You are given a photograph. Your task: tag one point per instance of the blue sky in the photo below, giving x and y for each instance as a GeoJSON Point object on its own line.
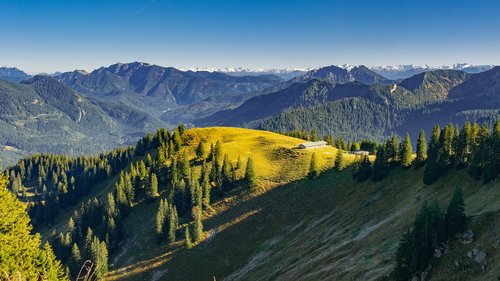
{"type": "Point", "coordinates": [47, 36]}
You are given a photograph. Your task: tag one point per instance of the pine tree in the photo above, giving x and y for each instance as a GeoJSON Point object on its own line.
{"type": "Point", "coordinates": [313, 167]}
{"type": "Point", "coordinates": [198, 225]}
{"type": "Point", "coordinates": [88, 243]}
{"type": "Point", "coordinates": [362, 170]}
{"type": "Point", "coordinates": [177, 142]}
{"type": "Point", "coordinates": [406, 152]}
{"type": "Point", "coordinates": [380, 167]}
{"type": "Point", "coordinates": [205, 185]}
{"type": "Point", "coordinates": [21, 255]}
{"type": "Point", "coordinates": [432, 168]}
{"type": "Point", "coordinates": [200, 150]}
{"type": "Point", "coordinates": [75, 261]}
{"type": "Point", "coordinates": [187, 238]}
{"type": "Point", "coordinates": [463, 146]}
{"type": "Point", "coordinates": [99, 256]}
{"type": "Point", "coordinates": [421, 150]}
{"type": "Point", "coordinates": [250, 176]}
{"type": "Point", "coordinates": [392, 149]}
{"type": "Point", "coordinates": [456, 221]}
{"type": "Point", "coordinates": [152, 191]}
{"type": "Point", "coordinates": [226, 174]}
{"type": "Point", "coordinates": [339, 161]}
{"type": "Point", "coordinates": [313, 135]}
{"type": "Point", "coordinates": [160, 220]}
{"type": "Point", "coordinates": [173, 222]}
{"type": "Point", "coordinates": [492, 167]}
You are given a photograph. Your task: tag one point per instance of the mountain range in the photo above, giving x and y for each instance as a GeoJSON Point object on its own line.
{"type": "Point", "coordinates": [328, 102]}
{"type": "Point", "coordinates": [60, 112]}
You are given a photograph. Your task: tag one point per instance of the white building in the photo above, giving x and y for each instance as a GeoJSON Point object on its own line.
{"type": "Point", "coordinates": [313, 144]}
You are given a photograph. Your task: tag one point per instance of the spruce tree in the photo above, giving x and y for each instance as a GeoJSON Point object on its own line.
{"type": "Point", "coordinates": [22, 258]}
{"type": "Point", "coordinates": [380, 167]}
{"type": "Point", "coordinates": [200, 150]}
{"type": "Point", "coordinates": [99, 256]}
{"type": "Point", "coordinates": [456, 221]}
{"type": "Point", "coordinates": [313, 168]}
{"type": "Point", "coordinates": [363, 169]}
{"type": "Point", "coordinates": [421, 150]}
{"type": "Point", "coordinates": [75, 261]}
{"type": "Point", "coordinates": [187, 238]}
{"type": "Point", "coordinates": [339, 161]}
{"type": "Point", "coordinates": [205, 185]}
{"type": "Point", "coordinates": [198, 225]}
{"type": "Point", "coordinates": [173, 222]}
{"type": "Point", "coordinates": [226, 174]}
{"type": "Point", "coordinates": [250, 176]}
{"type": "Point", "coordinates": [160, 220]}
{"type": "Point", "coordinates": [406, 152]}
{"type": "Point", "coordinates": [463, 146]}
{"type": "Point", "coordinates": [432, 167]}
{"type": "Point", "coordinates": [152, 191]}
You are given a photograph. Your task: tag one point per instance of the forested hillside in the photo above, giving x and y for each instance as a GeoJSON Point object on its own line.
{"type": "Point", "coordinates": [43, 115]}
{"type": "Point", "coordinates": [169, 93]}
{"type": "Point", "coordinates": [356, 110]}
{"type": "Point", "coordinates": [247, 199]}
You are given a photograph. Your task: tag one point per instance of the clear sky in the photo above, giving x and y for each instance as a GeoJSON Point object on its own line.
{"type": "Point", "coordinates": [47, 36]}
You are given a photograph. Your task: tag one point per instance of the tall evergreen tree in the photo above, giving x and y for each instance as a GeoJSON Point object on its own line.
{"type": "Point", "coordinates": [152, 190]}
{"type": "Point", "coordinates": [187, 238]}
{"type": "Point", "coordinates": [380, 167]}
{"type": "Point", "coordinates": [173, 222]}
{"type": "Point", "coordinates": [339, 161]}
{"type": "Point", "coordinates": [406, 152]}
{"type": "Point", "coordinates": [250, 176]}
{"type": "Point", "coordinates": [200, 150]}
{"type": "Point", "coordinates": [198, 225]}
{"type": "Point", "coordinates": [421, 150]}
{"type": "Point", "coordinates": [21, 255]}
{"type": "Point", "coordinates": [99, 256]}
{"type": "Point", "coordinates": [160, 220]}
{"type": "Point", "coordinates": [75, 261]}
{"type": "Point", "coordinates": [456, 221]}
{"type": "Point", "coordinates": [432, 168]}
{"type": "Point", "coordinates": [313, 167]}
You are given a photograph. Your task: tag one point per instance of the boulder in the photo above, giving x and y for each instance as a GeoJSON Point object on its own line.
{"type": "Point", "coordinates": [480, 258]}
{"type": "Point", "coordinates": [467, 237]}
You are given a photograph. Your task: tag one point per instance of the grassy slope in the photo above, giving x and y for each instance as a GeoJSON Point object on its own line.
{"type": "Point", "coordinates": [329, 228]}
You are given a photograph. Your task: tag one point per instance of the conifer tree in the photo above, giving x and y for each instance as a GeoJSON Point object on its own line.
{"type": "Point", "coordinates": [392, 149]}
{"type": "Point", "coordinates": [238, 163]}
{"type": "Point", "coordinates": [21, 255]}
{"type": "Point", "coordinates": [200, 150]}
{"type": "Point", "coordinates": [250, 176]}
{"type": "Point", "coordinates": [205, 185]}
{"type": "Point", "coordinates": [226, 174]}
{"type": "Point", "coordinates": [339, 161]}
{"type": "Point", "coordinates": [492, 167]}
{"type": "Point", "coordinates": [152, 191]}
{"type": "Point", "coordinates": [432, 168]}
{"type": "Point", "coordinates": [187, 238]}
{"type": "Point", "coordinates": [173, 222]}
{"type": "Point", "coordinates": [161, 214]}
{"type": "Point", "coordinates": [99, 256]}
{"type": "Point", "coordinates": [75, 260]}
{"type": "Point", "coordinates": [363, 169]}
{"type": "Point", "coordinates": [313, 136]}
{"type": "Point", "coordinates": [88, 243]}
{"type": "Point", "coordinates": [198, 226]}
{"type": "Point", "coordinates": [380, 167]}
{"type": "Point", "coordinates": [463, 146]}
{"type": "Point", "coordinates": [421, 150]}
{"type": "Point", "coordinates": [456, 221]}
{"type": "Point", "coordinates": [177, 142]}
{"type": "Point", "coordinates": [406, 152]}
{"type": "Point", "coordinates": [313, 168]}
